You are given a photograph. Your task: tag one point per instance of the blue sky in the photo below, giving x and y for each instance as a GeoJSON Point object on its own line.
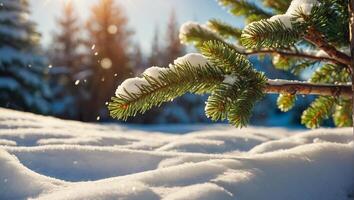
{"type": "Point", "coordinates": [143, 15]}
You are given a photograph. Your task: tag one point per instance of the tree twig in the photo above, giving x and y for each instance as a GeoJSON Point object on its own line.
{"type": "Point", "coordinates": [292, 54]}
{"type": "Point", "coordinates": [316, 38]}
{"type": "Point", "coordinates": [305, 88]}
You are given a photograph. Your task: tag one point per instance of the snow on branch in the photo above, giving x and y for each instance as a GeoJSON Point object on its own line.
{"type": "Point", "coordinates": [305, 6]}
{"type": "Point", "coordinates": [134, 85]}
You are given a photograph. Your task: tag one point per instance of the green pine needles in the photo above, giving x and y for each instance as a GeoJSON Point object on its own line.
{"type": "Point", "coordinates": [298, 35]}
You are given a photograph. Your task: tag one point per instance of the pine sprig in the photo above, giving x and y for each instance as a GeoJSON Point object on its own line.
{"type": "Point", "coordinates": [241, 108]}
{"type": "Point", "coordinates": [329, 21]}
{"type": "Point", "coordinates": [329, 73]}
{"type": "Point", "coordinates": [171, 84]}
{"type": "Point", "coordinates": [199, 34]}
{"type": "Point", "coordinates": [268, 34]}
{"type": "Point", "coordinates": [342, 117]}
{"type": "Point", "coordinates": [225, 30]}
{"type": "Point", "coordinates": [233, 101]}
{"type": "Point", "coordinates": [245, 8]}
{"type": "Point", "coordinates": [319, 110]}
{"type": "Point", "coordinates": [286, 102]}
{"type": "Point", "coordinates": [218, 102]}
{"type": "Point", "coordinates": [227, 58]}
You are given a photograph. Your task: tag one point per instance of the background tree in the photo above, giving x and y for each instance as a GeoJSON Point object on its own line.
{"type": "Point", "coordinates": [22, 70]}
{"type": "Point", "coordinates": [173, 47]}
{"type": "Point", "coordinates": [110, 35]}
{"type": "Point", "coordinates": [137, 59]}
{"type": "Point", "coordinates": [67, 62]}
{"type": "Point", "coordinates": [155, 54]}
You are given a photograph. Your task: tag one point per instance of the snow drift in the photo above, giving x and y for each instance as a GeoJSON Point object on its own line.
{"type": "Point", "coordinates": [47, 158]}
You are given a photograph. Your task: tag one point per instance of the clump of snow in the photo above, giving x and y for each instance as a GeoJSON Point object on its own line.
{"type": "Point", "coordinates": [46, 158]}
{"type": "Point", "coordinates": [305, 6]}
{"type": "Point", "coordinates": [285, 19]}
{"type": "Point", "coordinates": [230, 79]}
{"type": "Point", "coordinates": [195, 59]}
{"type": "Point", "coordinates": [132, 85]}
{"type": "Point", "coordinates": [187, 27]}
{"type": "Point", "coordinates": [155, 72]}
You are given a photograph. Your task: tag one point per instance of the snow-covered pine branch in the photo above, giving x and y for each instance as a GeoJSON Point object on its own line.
{"type": "Point", "coordinates": [229, 76]}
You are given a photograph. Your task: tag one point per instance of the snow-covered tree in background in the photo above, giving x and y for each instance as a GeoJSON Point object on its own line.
{"type": "Point", "coordinates": [110, 38]}
{"type": "Point", "coordinates": [310, 33]}
{"type": "Point", "coordinates": [67, 63]}
{"type": "Point", "coordinates": [155, 56]}
{"type": "Point", "coordinates": [22, 70]}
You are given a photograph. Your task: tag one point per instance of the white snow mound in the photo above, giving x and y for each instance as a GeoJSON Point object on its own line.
{"type": "Point", "coordinates": [46, 158]}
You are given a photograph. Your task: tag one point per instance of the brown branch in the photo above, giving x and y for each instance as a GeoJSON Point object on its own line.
{"type": "Point", "coordinates": [298, 87]}
{"type": "Point", "coordinates": [316, 38]}
{"type": "Point", "coordinates": [292, 54]}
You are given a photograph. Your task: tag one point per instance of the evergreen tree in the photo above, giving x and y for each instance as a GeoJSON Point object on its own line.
{"type": "Point", "coordinates": [67, 62]}
{"type": "Point", "coordinates": [311, 33]}
{"type": "Point", "coordinates": [138, 60]}
{"type": "Point", "coordinates": [109, 33]}
{"type": "Point", "coordinates": [22, 70]}
{"type": "Point", "coordinates": [155, 54]}
{"type": "Point", "coordinates": [173, 48]}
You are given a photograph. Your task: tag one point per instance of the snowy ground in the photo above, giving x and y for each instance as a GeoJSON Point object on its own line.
{"type": "Point", "coordinates": [46, 158]}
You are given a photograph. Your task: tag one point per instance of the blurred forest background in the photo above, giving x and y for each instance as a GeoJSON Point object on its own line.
{"type": "Point", "coordinates": [77, 74]}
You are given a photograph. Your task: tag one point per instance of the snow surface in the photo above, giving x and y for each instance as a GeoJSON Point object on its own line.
{"type": "Point", "coordinates": [46, 158]}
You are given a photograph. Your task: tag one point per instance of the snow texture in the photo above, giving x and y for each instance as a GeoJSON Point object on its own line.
{"type": "Point", "coordinates": [186, 28]}
{"type": "Point", "coordinates": [45, 158]}
{"type": "Point", "coordinates": [194, 59]}
{"type": "Point", "coordinates": [155, 72]}
{"type": "Point", "coordinates": [132, 85]}
{"type": "Point", "coordinates": [305, 6]}
{"type": "Point", "coordinates": [230, 79]}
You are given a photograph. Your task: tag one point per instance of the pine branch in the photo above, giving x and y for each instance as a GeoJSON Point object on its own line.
{"type": "Point", "coordinates": [171, 83]}
{"type": "Point", "coordinates": [224, 29]}
{"type": "Point", "coordinates": [319, 110]}
{"type": "Point", "coordinates": [330, 74]}
{"type": "Point", "coordinates": [245, 8]}
{"type": "Point", "coordinates": [196, 34]}
{"type": "Point", "coordinates": [305, 88]}
{"type": "Point", "coordinates": [316, 38]}
{"type": "Point", "coordinates": [268, 34]}
{"type": "Point", "coordinates": [342, 116]}
{"type": "Point", "coordinates": [286, 101]}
